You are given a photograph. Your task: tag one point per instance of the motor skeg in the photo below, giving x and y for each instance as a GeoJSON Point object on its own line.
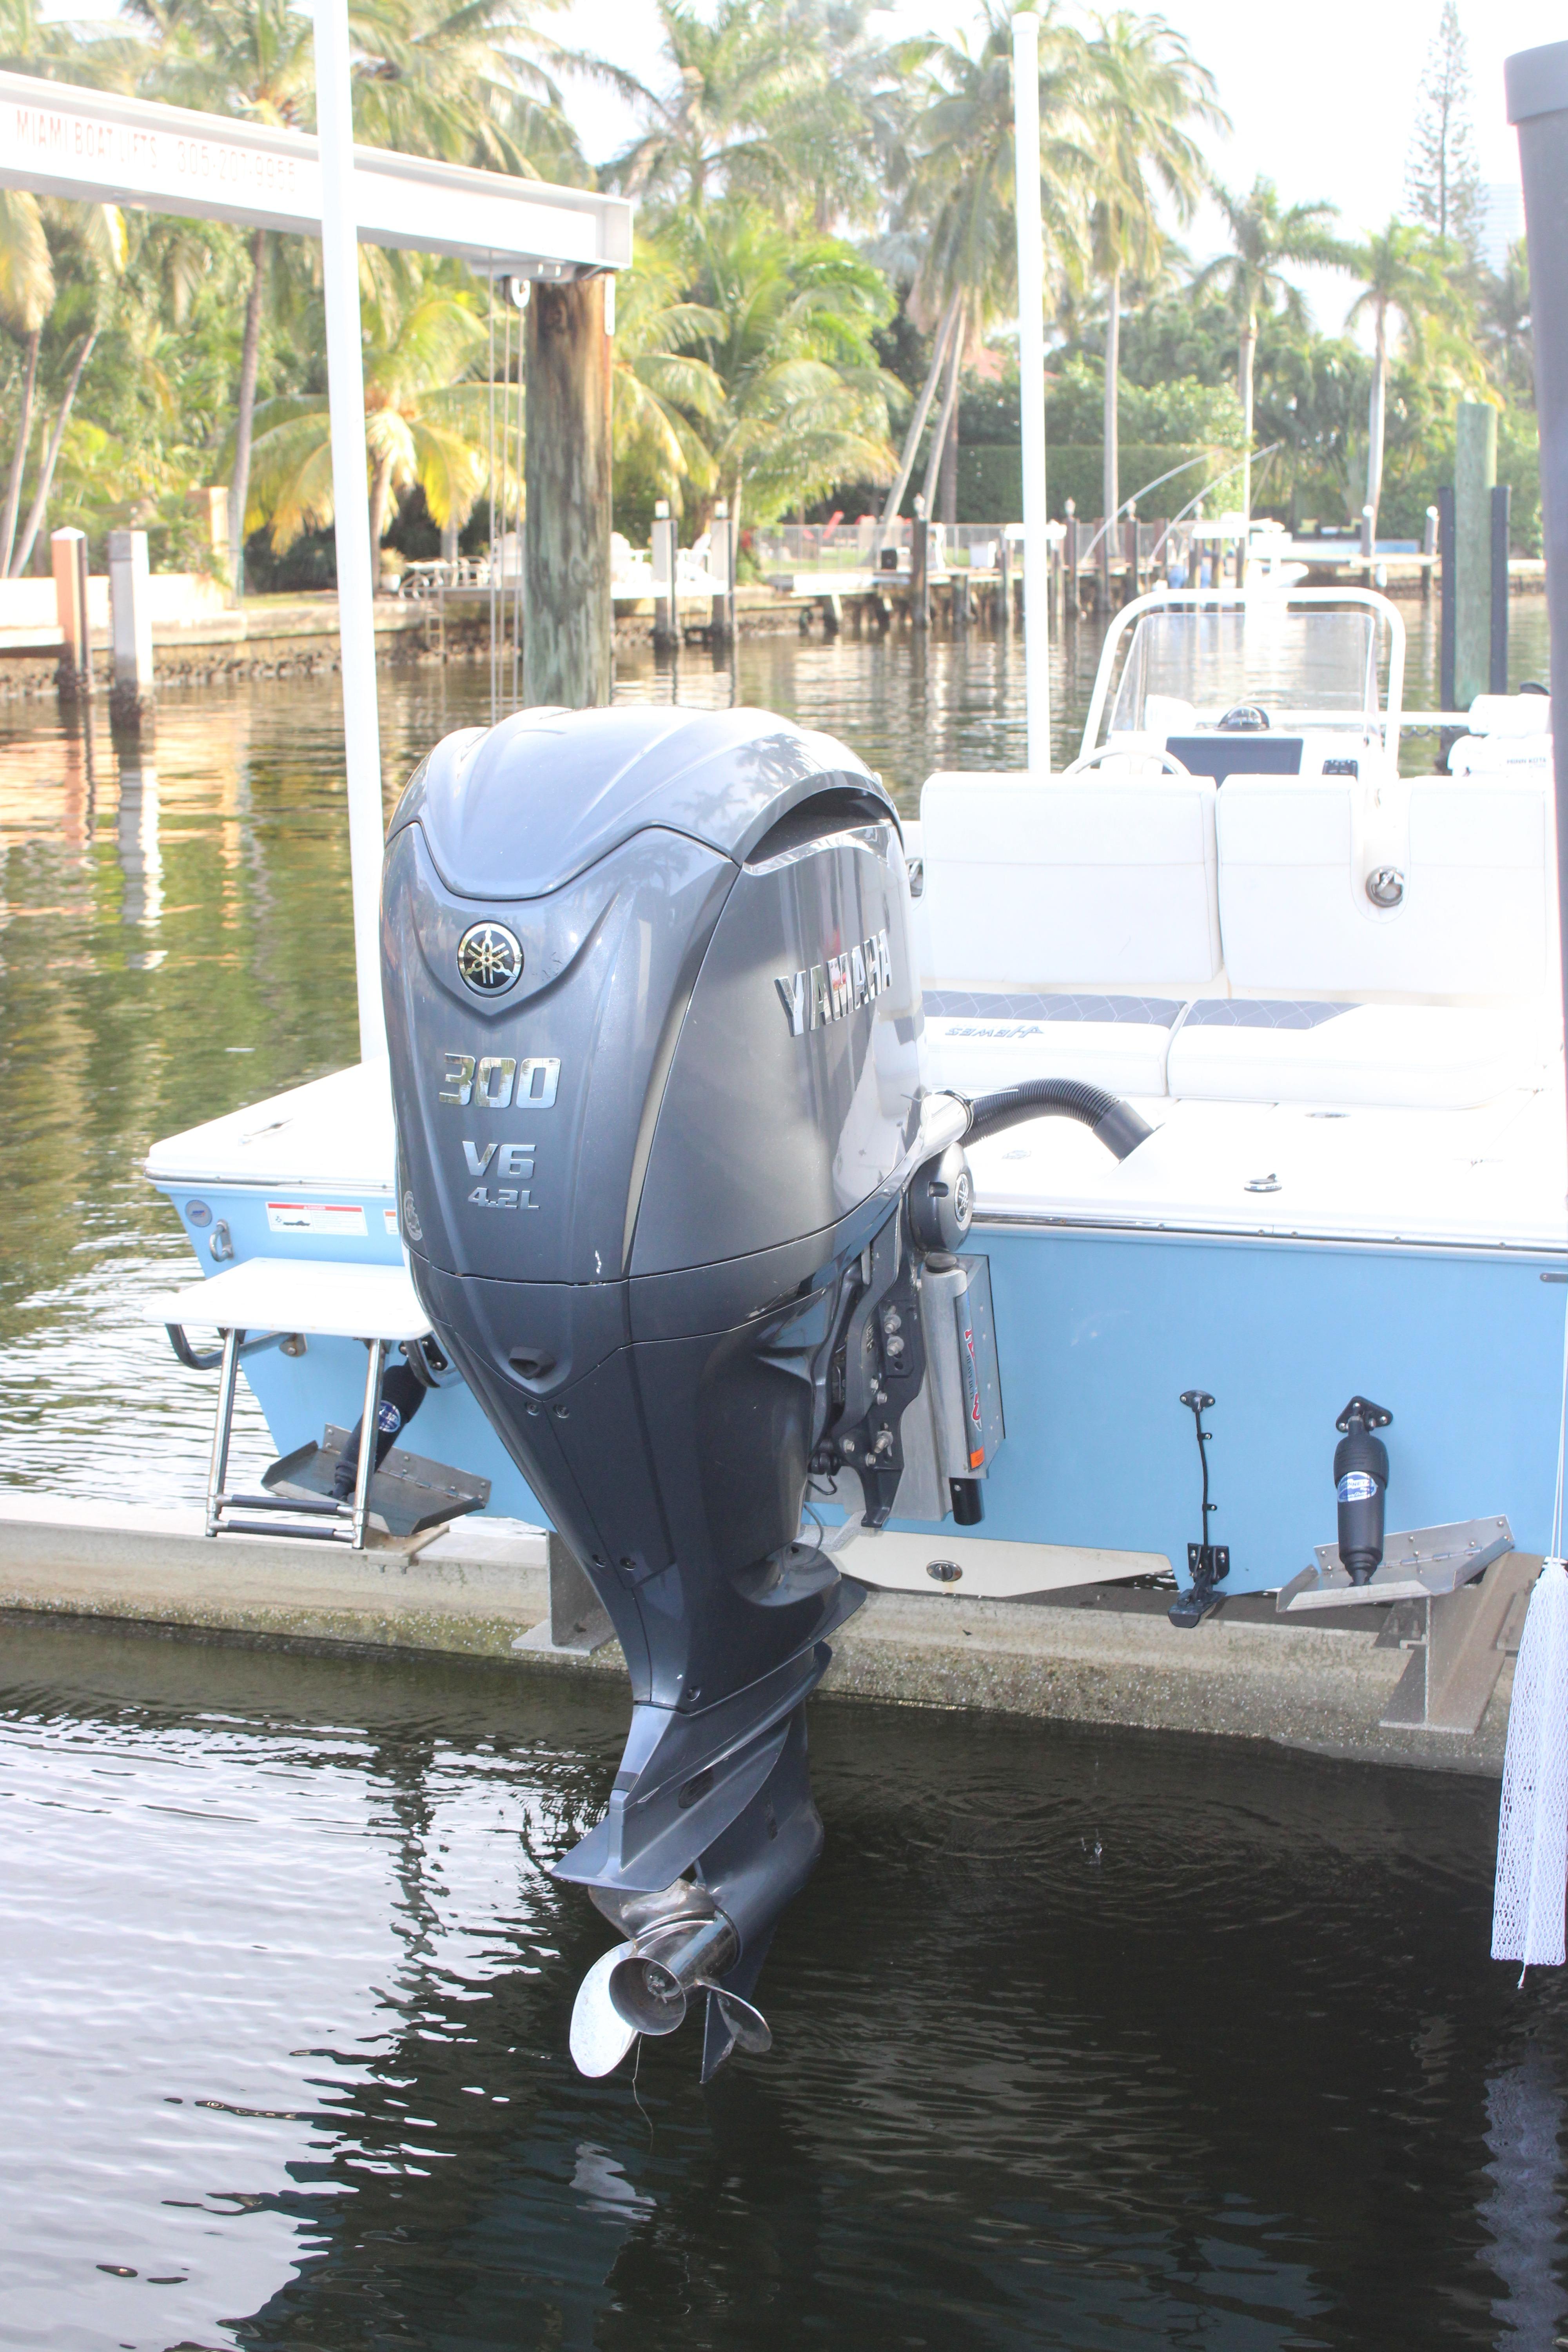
{"type": "Point", "coordinates": [655, 1037]}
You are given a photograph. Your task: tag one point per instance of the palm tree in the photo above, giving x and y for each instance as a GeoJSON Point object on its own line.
{"type": "Point", "coordinates": [710, 129]}
{"type": "Point", "coordinates": [1265, 236]}
{"type": "Point", "coordinates": [1145, 88]}
{"type": "Point", "coordinates": [1505, 327]}
{"type": "Point", "coordinates": [804, 401]}
{"type": "Point", "coordinates": [661, 395]}
{"type": "Point", "coordinates": [98, 235]}
{"type": "Point", "coordinates": [426, 423]}
{"type": "Point", "coordinates": [957, 207]}
{"type": "Point", "coordinates": [252, 57]}
{"type": "Point", "coordinates": [27, 298]}
{"type": "Point", "coordinates": [427, 80]}
{"type": "Point", "coordinates": [1405, 284]}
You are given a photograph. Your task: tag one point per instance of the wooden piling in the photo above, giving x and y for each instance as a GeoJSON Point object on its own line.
{"type": "Point", "coordinates": [73, 676]}
{"type": "Point", "coordinates": [1475, 476]}
{"type": "Point", "coordinates": [920, 569]}
{"type": "Point", "coordinates": [566, 472]}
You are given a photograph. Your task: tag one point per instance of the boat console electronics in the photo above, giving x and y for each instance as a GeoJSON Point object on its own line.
{"type": "Point", "coordinates": [685, 1215]}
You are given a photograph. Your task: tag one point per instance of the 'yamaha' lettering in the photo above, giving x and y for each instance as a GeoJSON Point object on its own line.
{"type": "Point", "coordinates": [832, 990]}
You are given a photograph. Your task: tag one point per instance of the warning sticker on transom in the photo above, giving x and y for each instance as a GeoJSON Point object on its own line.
{"type": "Point", "coordinates": [315, 1217]}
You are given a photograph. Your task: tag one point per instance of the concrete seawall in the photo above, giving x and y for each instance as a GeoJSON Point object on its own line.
{"type": "Point", "coordinates": [1100, 1655]}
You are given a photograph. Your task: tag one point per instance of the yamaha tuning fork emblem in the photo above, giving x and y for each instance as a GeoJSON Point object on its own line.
{"type": "Point", "coordinates": [490, 957]}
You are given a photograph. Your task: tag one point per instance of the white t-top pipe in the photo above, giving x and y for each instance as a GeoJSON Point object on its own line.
{"type": "Point", "coordinates": [351, 507]}
{"type": "Point", "coordinates": [1032, 387]}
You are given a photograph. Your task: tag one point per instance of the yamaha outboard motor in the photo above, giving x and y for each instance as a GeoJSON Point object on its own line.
{"type": "Point", "coordinates": [683, 1213]}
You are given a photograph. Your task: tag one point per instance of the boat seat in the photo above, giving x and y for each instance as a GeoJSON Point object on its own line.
{"type": "Point", "coordinates": [979, 1040]}
{"type": "Point", "coordinates": [1064, 925]}
{"type": "Point", "coordinates": [1474, 920]}
{"type": "Point", "coordinates": [1082, 886]}
{"type": "Point", "coordinates": [1471, 935]}
{"type": "Point", "coordinates": [1395, 1056]}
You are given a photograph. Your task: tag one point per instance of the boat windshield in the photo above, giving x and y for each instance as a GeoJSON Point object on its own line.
{"type": "Point", "coordinates": [1313, 665]}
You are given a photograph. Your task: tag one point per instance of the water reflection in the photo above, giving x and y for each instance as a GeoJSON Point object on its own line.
{"type": "Point", "coordinates": [1523, 2214]}
{"type": "Point", "coordinates": [136, 834]}
{"type": "Point", "coordinates": [1082, 2043]}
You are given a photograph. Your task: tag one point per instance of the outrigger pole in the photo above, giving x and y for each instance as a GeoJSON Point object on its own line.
{"type": "Point", "coordinates": [1537, 84]}
{"type": "Point", "coordinates": [1032, 388]}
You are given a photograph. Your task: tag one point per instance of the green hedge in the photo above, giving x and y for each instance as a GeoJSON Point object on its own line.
{"type": "Point", "coordinates": [991, 479]}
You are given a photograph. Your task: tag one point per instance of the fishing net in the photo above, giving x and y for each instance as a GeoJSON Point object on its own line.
{"type": "Point", "coordinates": [1533, 1828]}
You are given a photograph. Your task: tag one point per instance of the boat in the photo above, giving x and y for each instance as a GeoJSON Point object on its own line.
{"type": "Point", "coordinates": [1327, 987]}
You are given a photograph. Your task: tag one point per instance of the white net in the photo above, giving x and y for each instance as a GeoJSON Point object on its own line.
{"type": "Point", "coordinates": [1533, 1828]}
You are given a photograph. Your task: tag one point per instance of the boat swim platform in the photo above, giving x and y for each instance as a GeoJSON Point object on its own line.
{"type": "Point", "coordinates": [1100, 1654]}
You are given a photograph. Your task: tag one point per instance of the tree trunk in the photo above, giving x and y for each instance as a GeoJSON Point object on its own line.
{"type": "Point", "coordinates": [945, 420]}
{"type": "Point", "coordinates": [19, 454]}
{"type": "Point", "coordinates": [245, 411]}
{"type": "Point", "coordinates": [1245, 358]}
{"type": "Point", "coordinates": [380, 489]}
{"type": "Point", "coordinates": [1375, 421]}
{"type": "Point", "coordinates": [566, 512]}
{"type": "Point", "coordinates": [1112, 489]}
{"type": "Point", "coordinates": [1112, 371]}
{"type": "Point", "coordinates": [46, 479]}
{"type": "Point", "coordinates": [947, 492]}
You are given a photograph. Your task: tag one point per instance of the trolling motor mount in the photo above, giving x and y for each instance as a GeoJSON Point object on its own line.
{"type": "Point", "coordinates": [1207, 1563]}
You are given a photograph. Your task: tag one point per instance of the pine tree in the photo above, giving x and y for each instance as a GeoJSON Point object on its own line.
{"type": "Point", "coordinates": [1442, 183]}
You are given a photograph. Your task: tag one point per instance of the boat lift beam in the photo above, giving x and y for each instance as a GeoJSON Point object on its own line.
{"type": "Point", "coordinates": [58, 139]}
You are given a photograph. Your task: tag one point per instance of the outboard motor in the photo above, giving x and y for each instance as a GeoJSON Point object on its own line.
{"type": "Point", "coordinates": [682, 1210]}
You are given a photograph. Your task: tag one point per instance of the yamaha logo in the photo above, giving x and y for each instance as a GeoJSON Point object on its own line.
{"type": "Point", "coordinates": [490, 957]}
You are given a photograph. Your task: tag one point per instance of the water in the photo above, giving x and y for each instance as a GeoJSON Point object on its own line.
{"type": "Point", "coordinates": [1083, 2041]}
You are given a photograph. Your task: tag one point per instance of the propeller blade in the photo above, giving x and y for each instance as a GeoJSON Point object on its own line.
{"type": "Point", "coordinates": [600, 2035]}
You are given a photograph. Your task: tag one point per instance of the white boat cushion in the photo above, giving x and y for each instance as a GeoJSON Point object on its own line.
{"type": "Point", "coordinates": [1474, 921]}
{"type": "Point", "coordinates": [1089, 884]}
{"type": "Point", "coordinates": [1404, 1057]}
{"type": "Point", "coordinates": [979, 1041]}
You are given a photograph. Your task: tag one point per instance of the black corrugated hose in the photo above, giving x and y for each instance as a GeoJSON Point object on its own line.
{"type": "Point", "coordinates": [1115, 1123]}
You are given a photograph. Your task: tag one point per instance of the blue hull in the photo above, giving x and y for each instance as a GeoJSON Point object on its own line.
{"type": "Point", "coordinates": [1099, 1333]}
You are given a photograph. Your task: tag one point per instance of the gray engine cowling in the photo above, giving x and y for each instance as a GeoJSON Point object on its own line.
{"type": "Point", "coordinates": [655, 1034]}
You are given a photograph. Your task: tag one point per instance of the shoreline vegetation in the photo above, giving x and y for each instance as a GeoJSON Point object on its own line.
{"type": "Point", "coordinates": [824, 227]}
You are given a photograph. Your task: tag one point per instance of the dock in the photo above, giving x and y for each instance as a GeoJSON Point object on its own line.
{"type": "Point", "coordinates": [1100, 1654]}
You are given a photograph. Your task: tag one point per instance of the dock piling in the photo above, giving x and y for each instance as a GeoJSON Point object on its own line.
{"type": "Point", "coordinates": [1503, 518]}
{"type": "Point", "coordinates": [567, 608]}
{"type": "Point", "coordinates": [1475, 478]}
{"type": "Point", "coordinates": [74, 675]}
{"type": "Point", "coordinates": [665, 535]}
{"type": "Point", "coordinates": [130, 702]}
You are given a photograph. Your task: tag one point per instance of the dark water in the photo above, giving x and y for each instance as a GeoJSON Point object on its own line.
{"type": "Point", "coordinates": [1082, 2041]}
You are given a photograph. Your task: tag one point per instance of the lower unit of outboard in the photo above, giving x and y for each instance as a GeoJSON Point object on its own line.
{"type": "Point", "coordinates": [685, 1216]}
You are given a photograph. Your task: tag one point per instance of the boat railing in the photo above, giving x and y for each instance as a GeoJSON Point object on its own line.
{"type": "Point", "coordinates": [1234, 599]}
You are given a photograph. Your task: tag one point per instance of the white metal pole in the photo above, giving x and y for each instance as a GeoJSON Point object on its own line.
{"type": "Point", "coordinates": [351, 506]}
{"type": "Point", "coordinates": [1032, 387]}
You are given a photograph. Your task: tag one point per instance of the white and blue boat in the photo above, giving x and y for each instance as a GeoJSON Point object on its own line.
{"type": "Point", "coordinates": [1330, 990]}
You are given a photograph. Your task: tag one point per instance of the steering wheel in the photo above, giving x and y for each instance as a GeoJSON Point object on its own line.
{"type": "Point", "coordinates": [1120, 751]}
{"type": "Point", "coordinates": [1245, 719]}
